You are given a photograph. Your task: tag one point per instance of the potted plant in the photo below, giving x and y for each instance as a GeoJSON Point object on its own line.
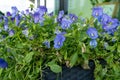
{"type": "Point", "coordinates": [33, 42]}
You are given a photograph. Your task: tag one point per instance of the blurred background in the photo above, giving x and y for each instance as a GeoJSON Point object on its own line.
{"type": "Point", "coordinates": [79, 7]}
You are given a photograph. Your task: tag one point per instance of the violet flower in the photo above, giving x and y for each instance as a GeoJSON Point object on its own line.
{"type": "Point", "coordinates": [11, 33]}
{"type": "Point", "coordinates": [60, 16]}
{"type": "Point", "coordinates": [92, 33]}
{"type": "Point", "coordinates": [36, 17]}
{"type": "Point", "coordinates": [65, 23]}
{"type": "Point", "coordinates": [17, 19]}
{"type": "Point", "coordinates": [93, 43]}
{"type": "Point", "coordinates": [58, 41]}
{"type": "Point", "coordinates": [97, 12]}
{"type": "Point", "coordinates": [14, 11]}
{"type": "Point", "coordinates": [73, 17]}
{"type": "Point", "coordinates": [3, 63]}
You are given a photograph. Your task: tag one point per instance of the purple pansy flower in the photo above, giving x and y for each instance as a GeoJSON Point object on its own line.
{"type": "Point", "coordinates": [47, 44]}
{"type": "Point", "coordinates": [11, 32]}
{"type": "Point", "coordinates": [27, 11]}
{"type": "Point", "coordinates": [36, 17]}
{"type": "Point", "coordinates": [5, 20]}
{"type": "Point", "coordinates": [111, 25]}
{"type": "Point", "coordinates": [8, 14]}
{"type": "Point", "coordinates": [93, 43]}
{"type": "Point", "coordinates": [5, 27]}
{"type": "Point", "coordinates": [42, 10]}
{"type": "Point", "coordinates": [60, 16]}
{"type": "Point", "coordinates": [104, 19]}
{"type": "Point", "coordinates": [5, 23]}
{"type": "Point", "coordinates": [41, 18]}
{"type": "Point", "coordinates": [58, 41]}
{"type": "Point", "coordinates": [92, 33]}
{"type": "Point", "coordinates": [13, 19]}
{"type": "Point", "coordinates": [25, 32]}
{"type": "Point", "coordinates": [65, 23]}
{"type": "Point", "coordinates": [97, 12]}
{"type": "Point", "coordinates": [17, 19]}
{"type": "Point", "coordinates": [73, 17]}
{"type": "Point", "coordinates": [3, 63]}
{"type": "Point", "coordinates": [14, 11]}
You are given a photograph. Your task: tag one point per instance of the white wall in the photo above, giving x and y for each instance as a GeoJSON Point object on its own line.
{"type": "Point", "coordinates": [5, 5]}
{"type": "Point", "coordinates": [50, 5]}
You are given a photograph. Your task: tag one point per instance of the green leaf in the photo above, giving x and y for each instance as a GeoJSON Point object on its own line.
{"type": "Point", "coordinates": [74, 59]}
{"type": "Point", "coordinates": [19, 45]}
{"type": "Point", "coordinates": [55, 68]}
{"type": "Point", "coordinates": [118, 48]}
{"type": "Point", "coordinates": [1, 70]}
{"type": "Point", "coordinates": [28, 57]}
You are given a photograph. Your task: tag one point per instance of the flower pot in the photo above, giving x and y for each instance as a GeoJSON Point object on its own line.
{"type": "Point", "coordinates": [74, 73]}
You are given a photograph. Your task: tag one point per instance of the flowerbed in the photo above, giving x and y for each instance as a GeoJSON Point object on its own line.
{"type": "Point", "coordinates": [31, 41]}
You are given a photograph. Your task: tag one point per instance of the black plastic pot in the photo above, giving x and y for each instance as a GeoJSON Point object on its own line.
{"type": "Point", "coordinates": [74, 73]}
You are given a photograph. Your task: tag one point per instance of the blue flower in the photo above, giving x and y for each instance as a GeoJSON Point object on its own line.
{"type": "Point", "coordinates": [42, 10]}
{"type": "Point", "coordinates": [17, 19]}
{"type": "Point", "coordinates": [65, 23]}
{"type": "Point", "coordinates": [47, 44]}
{"type": "Point", "coordinates": [13, 19]}
{"type": "Point", "coordinates": [5, 20]}
{"type": "Point", "coordinates": [97, 12]}
{"type": "Point", "coordinates": [8, 14]}
{"type": "Point", "coordinates": [27, 11]}
{"type": "Point", "coordinates": [25, 32]}
{"type": "Point", "coordinates": [14, 11]}
{"type": "Point", "coordinates": [36, 17]}
{"type": "Point", "coordinates": [92, 33]}
{"type": "Point", "coordinates": [3, 63]}
{"type": "Point", "coordinates": [111, 25]}
{"type": "Point", "coordinates": [5, 27]}
{"type": "Point", "coordinates": [42, 20]}
{"type": "Point", "coordinates": [5, 23]}
{"type": "Point", "coordinates": [11, 32]}
{"type": "Point", "coordinates": [60, 16]}
{"type": "Point", "coordinates": [58, 41]}
{"type": "Point", "coordinates": [73, 17]}
{"type": "Point", "coordinates": [104, 19]}
{"type": "Point", "coordinates": [93, 43]}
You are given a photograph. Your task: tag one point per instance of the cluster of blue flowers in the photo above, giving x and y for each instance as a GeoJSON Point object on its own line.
{"type": "Point", "coordinates": [65, 23]}
{"type": "Point", "coordinates": [109, 25]}
{"type": "Point", "coordinates": [39, 14]}
{"type": "Point", "coordinates": [93, 34]}
{"type": "Point", "coordinates": [37, 17]}
{"type": "Point", "coordinates": [3, 63]}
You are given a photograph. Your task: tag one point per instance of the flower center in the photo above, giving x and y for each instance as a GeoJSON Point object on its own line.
{"type": "Point", "coordinates": [96, 14]}
{"type": "Point", "coordinates": [92, 34]}
{"type": "Point", "coordinates": [58, 43]}
{"type": "Point", "coordinates": [110, 23]}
